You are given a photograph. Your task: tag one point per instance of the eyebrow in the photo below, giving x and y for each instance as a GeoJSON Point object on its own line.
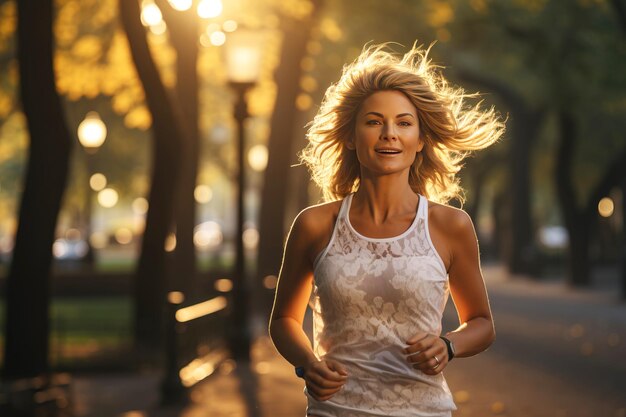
{"type": "Point", "coordinates": [381, 116]}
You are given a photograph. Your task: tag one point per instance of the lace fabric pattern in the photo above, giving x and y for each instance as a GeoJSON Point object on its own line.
{"type": "Point", "coordinates": [369, 297]}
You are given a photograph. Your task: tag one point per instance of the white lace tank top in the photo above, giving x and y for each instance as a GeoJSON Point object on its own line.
{"type": "Point", "coordinates": [369, 297]}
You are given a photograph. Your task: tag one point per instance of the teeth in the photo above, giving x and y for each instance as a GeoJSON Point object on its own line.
{"type": "Point", "coordinates": [387, 151]}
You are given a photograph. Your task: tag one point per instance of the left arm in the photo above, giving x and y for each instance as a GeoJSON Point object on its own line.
{"type": "Point", "coordinates": [476, 331]}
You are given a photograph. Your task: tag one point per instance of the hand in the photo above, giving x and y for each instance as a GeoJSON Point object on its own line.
{"type": "Point", "coordinates": [324, 378]}
{"type": "Point", "coordinates": [423, 348]}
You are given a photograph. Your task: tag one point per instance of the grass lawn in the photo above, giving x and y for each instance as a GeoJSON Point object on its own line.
{"type": "Point", "coordinates": [84, 329]}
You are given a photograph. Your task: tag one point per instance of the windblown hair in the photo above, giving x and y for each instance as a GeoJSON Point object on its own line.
{"type": "Point", "coordinates": [449, 128]}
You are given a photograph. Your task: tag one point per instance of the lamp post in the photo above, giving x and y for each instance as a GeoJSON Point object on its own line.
{"type": "Point", "coordinates": [92, 133]}
{"type": "Point", "coordinates": [243, 56]}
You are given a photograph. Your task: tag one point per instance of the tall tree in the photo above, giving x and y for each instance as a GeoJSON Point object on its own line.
{"type": "Point", "coordinates": [296, 34]}
{"type": "Point", "coordinates": [183, 30]}
{"type": "Point", "coordinates": [150, 277]}
{"type": "Point", "coordinates": [28, 283]}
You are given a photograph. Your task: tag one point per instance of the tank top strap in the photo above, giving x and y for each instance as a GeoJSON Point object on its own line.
{"type": "Point", "coordinates": [345, 205]}
{"type": "Point", "coordinates": [422, 211]}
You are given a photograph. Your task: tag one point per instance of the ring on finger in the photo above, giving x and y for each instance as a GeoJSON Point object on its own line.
{"type": "Point", "coordinates": [438, 363]}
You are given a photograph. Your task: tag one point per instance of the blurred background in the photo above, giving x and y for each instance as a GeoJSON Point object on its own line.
{"type": "Point", "coordinates": [149, 175]}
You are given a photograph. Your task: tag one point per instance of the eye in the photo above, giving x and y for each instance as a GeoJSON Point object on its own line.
{"type": "Point", "coordinates": [404, 123]}
{"type": "Point", "coordinates": [372, 122]}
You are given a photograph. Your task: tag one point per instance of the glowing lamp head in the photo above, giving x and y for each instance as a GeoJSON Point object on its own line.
{"type": "Point", "coordinates": [243, 50]}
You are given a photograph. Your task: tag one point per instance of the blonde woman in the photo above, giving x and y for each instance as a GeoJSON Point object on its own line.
{"type": "Point", "coordinates": [377, 261]}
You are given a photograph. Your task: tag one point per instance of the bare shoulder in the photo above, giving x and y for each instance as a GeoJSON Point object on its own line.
{"type": "Point", "coordinates": [449, 219]}
{"type": "Point", "coordinates": [314, 225]}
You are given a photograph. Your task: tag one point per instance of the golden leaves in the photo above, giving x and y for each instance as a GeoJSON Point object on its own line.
{"type": "Point", "coordinates": [441, 13]}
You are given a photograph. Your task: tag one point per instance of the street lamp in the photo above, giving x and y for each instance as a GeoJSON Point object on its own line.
{"type": "Point", "coordinates": [243, 59]}
{"type": "Point", "coordinates": [92, 133]}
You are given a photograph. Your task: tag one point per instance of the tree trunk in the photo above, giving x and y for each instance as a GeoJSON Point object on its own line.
{"type": "Point", "coordinates": [183, 30]}
{"type": "Point", "coordinates": [28, 284]}
{"type": "Point", "coordinates": [274, 198]}
{"type": "Point", "coordinates": [525, 124]}
{"type": "Point", "coordinates": [575, 220]}
{"type": "Point", "coordinates": [150, 278]}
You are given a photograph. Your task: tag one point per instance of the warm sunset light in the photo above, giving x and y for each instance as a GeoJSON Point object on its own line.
{"type": "Point", "coordinates": [108, 197]}
{"type": "Point", "coordinates": [209, 8]}
{"type": "Point", "coordinates": [203, 194]}
{"type": "Point", "coordinates": [97, 181]}
{"type": "Point", "coordinates": [92, 131]}
{"type": "Point", "coordinates": [150, 13]}
{"type": "Point", "coordinates": [606, 207]}
{"type": "Point", "coordinates": [257, 157]}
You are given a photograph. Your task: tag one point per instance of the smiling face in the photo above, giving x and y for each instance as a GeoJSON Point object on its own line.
{"type": "Point", "coordinates": [386, 134]}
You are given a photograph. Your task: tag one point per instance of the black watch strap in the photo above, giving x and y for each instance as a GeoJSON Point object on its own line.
{"type": "Point", "coordinates": [449, 346]}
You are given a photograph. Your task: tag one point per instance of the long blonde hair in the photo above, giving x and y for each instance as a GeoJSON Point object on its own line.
{"type": "Point", "coordinates": [449, 128]}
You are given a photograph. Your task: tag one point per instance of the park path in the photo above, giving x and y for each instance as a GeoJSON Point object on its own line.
{"type": "Point", "coordinates": [559, 352]}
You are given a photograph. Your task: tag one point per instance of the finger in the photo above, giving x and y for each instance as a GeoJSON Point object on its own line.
{"type": "Point", "coordinates": [426, 355]}
{"type": "Point", "coordinates": [320, 392]}
{"type": "Point", "coordinates": [327, 373]}
{"type": "Point", "coordinates": [430, 365]}
{"type": "Point", "coordinates": [321, 381]}
{"type": "Point", "coordinates": [337, 367]}
{"type": "Point", "coordinates": [419, 345]}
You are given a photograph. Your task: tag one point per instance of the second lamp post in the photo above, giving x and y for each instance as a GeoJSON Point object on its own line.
{"type": "Point", "coordinates": [243, 58]}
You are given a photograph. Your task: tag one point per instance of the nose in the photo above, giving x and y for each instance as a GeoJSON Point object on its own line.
{"type": "Point", "coordinates": [389, 132]}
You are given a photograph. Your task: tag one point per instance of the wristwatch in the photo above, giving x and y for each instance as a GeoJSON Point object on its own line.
{"type": "Point", "coordinates": [300, 371]}
{"type": "Point", "coordinates": [450, 346]}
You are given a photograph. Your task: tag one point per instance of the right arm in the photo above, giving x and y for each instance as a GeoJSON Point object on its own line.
{"type": "Point", "coordinates": [323, 378]}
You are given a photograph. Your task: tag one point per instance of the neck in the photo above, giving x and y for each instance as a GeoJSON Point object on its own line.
{"type": "Point", "coordinates": [383, 197]}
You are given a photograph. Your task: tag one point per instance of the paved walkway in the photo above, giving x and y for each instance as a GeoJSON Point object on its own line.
{"type": "Point", "coordinates": [538, 324]}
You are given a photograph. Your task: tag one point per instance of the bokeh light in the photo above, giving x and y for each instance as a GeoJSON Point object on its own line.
{"type": "Point", "coordinates": [208, 235]}
{"type": "Point", "coordinates": [140, 206]}
{"type": "Point", "coordinates": [123, 236]}
{"type": "Point", "coordinates": [108, 197]}
{"type": "Point", "coordinates": [606, 207]}
{"type": "Point", "coordinates": [170, 242]}
{"type": "Point", "coordinates": [229, 26]}
{"type": "Point", "coordinates": [250, 238]}
{"type": "Point", "coordinates": [223, 285]}
{"type": "Point", "coordinates": [180, 5]}
{"type": "Point", "coordinates": [209, 8]}
{"type": "Point", "coordinates": [92, 131]}
{"type": "Point", "coordinates": [150, 13]}
{"type": "Point", "coordinates": [203, 194]}
{"type": "Point", "coordinates": [257, 157]}
{"type": "Point", "coordinates": [97, 181]}
{"type": "Point", "coordinates": [218, 38]}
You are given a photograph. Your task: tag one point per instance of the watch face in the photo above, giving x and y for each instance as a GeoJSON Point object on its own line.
{"type": "Point", "coordinates": [300, 371]}
{"type": "Point", "coordinates": [452, 348]}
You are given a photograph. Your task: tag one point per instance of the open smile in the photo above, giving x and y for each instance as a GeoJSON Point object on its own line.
{"type": "Point", "coordinates": [388, 151]}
